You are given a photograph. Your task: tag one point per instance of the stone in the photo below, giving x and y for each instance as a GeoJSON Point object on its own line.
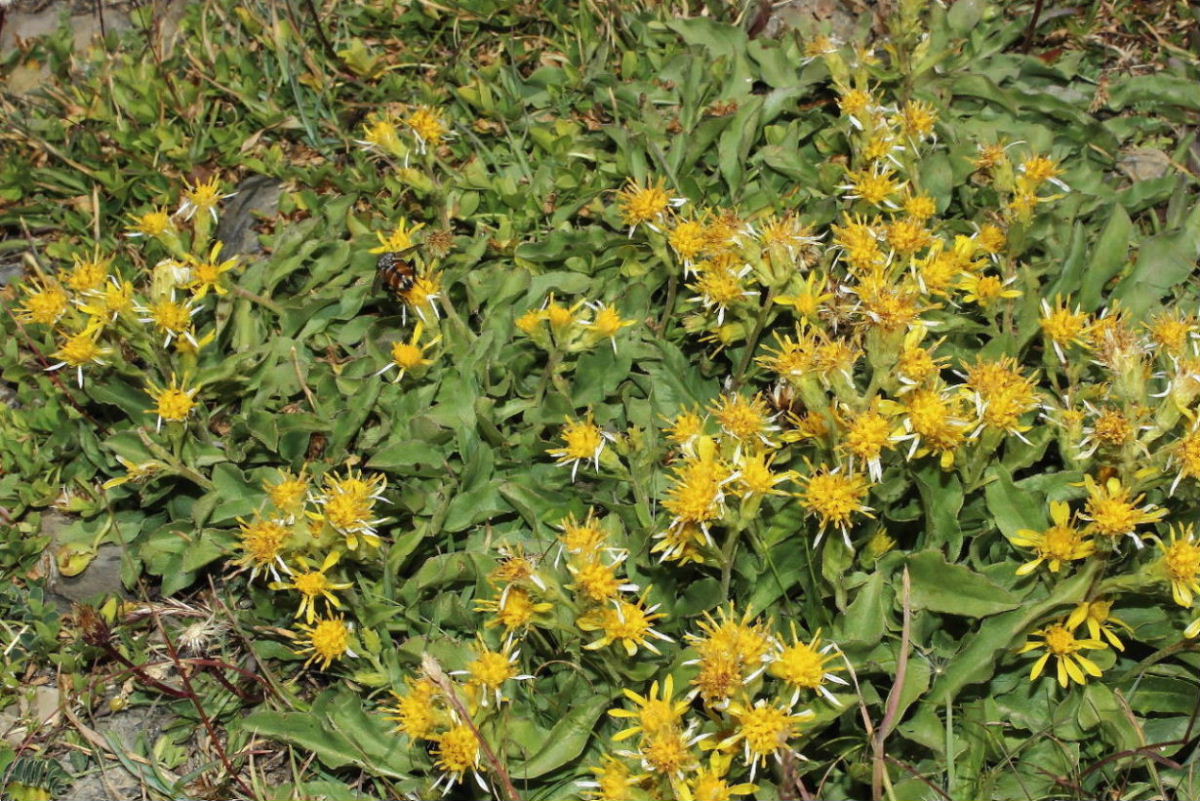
{"type": "Point", "coordinates": [257, 196]}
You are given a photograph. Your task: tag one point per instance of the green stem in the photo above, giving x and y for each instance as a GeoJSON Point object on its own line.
{"type": "Point", "coordinates": [727, 553]}
{"type": "Point", "coordinates": [752, 342]}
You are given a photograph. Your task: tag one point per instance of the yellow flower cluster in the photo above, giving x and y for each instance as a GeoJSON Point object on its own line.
{"type": "Point", "coordinates": [748, 684]}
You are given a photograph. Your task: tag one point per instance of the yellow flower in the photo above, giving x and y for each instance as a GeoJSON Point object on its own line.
{"type": "Point", "coordinates": [204, 196]}
{"type": "Point", "coordinates": [630, 623]}
{"type": "Point", "coordinates": [348, 506]}
{"type": "Point", "coordinates": [529, 322]}
{"type": "Point", "coordinates": [454, 753]}
{"type": "Point", "coordinates": [262, 543]}
{"type": "Point", "coordinates": [596, 580]}
{"type": "Point", "coordinates": [875, 186]}
{"type": "Point", "coordinates": [986, 290]}
{"type": "Point", "coordinates": [709, 784]}
{"type": "Point", "coordinates": [1060, 543]}
{"type": "Point", "coordinates": [314, 584]}
{"type": "Point", "coordinates": [1173, 330]}
{"type": "Point", "coordinates": [917, 118]}
{"type": "Point", "coordinates": [654, 714]}
{"type": "Point", "coordinates": [171, 318]}
{"type": "Point", "coordinates": [1180, 563]}
{"type": "Point", "coordinates": [399, 239]}
{"type": "Point", "coordinates": [515, 609]}
{"type": "Point", "coordinates": [105, 306]}
{"type": "Point", "coordinates": [614, 781]}
{"type": "Point", "coordinates": [206, 273]}
{"type": "Point", "coordinates": [802, 665]}
{"type": "Point", "coordinates": [1113, 512]}
{"type": "Point", "coordinates": [44, 304]}
{"type": "Point", "coordinates": [908, 235]}
{"type": "Point", "coordinates": [289, 493]}
{"type": "Point", "coordinates": [689, 241]}
{"type": "Point", "coordinates": [920, 207]}
{"type": "Point", "coordinates": [645, 205]}
{"type": "Point", "coordinates": [88, 274]}
{"type": "Point", "coordinates": [866, 435]}
{"type": "Point", "coordinates": [173, 403]}
{"type": "Point", "coordinates": [409, 355]}
{"type": "Point", "coordinates": [416, 713]}
{"type": "Point", "coordinates": [515, 567]}
{"type": "Point", "coordinates": [811, 296]}
{"type": "Point", "coordinates": [696, 495]}
{"type": "Point", "coordinates": [428, 126]}
{"type": "Point", "coordinates": [326, 641]}
{"type": "Point", "coordinates": [583, 440]}
{"type": "Point", "coordinates": [1063, 327]}
{"type": "Point", "coordinates": [719, 286]}
{"type": "Point", "coordinates": [744, 418]}
{"type": "Point", "coordinates": [562, 317]}
{"type": "Point", "coordinates": [931, 421]}
{"type": "Point", "coordinates": [753, 475]}
{"type": "Point", "coordinates": [153, 223]}
{"type": "Point", "coordinates": [79, 350]}
{"type": "Point", "coordinates": [491, 669]}
{"type": "Point", "coordinates": [834, 497]}
{"type": "Point", "coordinates": [584, 538]}
{"type": "Point", "coordinates": [1061, 643]}
{"type": "Point", "coordinates": [424, 291]}
{"type": "Point", "coordinates": [134, 472]}
{"type": "Point", "coordinates": [686, 428]}
{"type": "Point", "coordinates": [1037, 170]}
{"type": "Point", "coordinates": [1002, 394]}
{"type": "Point", "coordinates": [381, 135]}
{"type": "Point", "coordinates": [764, 730]}
{"type": "Point", "coordinates": [606, 323]}
{"type": "Point", "coordinates": [732, 652]}
{"type": "Point", "coordinates": [1097, 615]}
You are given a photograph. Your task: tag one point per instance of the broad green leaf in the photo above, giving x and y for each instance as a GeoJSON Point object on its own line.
{"type": "Point", "coordinates": [953, 589]}
{"type": "Point", "coordinates": [565, 741]}
{"type": "Point", "coordinates": [1107, 259]}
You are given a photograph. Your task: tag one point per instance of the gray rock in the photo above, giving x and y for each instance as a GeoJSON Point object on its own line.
{"type": "Point", "coordinates": [257, 196]}
{"type": "Point", "coordinates": [101, 577]}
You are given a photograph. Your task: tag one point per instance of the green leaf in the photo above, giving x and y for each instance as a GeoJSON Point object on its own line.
{"type": "Point", "coordinates": [1013, 508]}
{"type": "Point", "coordinates": [979, 656]}
{"type": "Point", "coordinates": [942, 496]}
{"type": "Point", "coordinates": [1107, 259]}
{"type": "Point", "coordinates": [339, 732]}
{"type": "Point", "coordinates": [1163, 262]}
{"type": "Point", "coordinates": [953, 589]}
{"type": "Point", "coordinates": [565, 741]}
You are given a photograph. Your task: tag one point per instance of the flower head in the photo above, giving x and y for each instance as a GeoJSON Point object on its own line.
{"type": "Point", "coordinates": [1179, 563]}
{"type": "Point", "coordinates": [326, 641]}
{"type": "Point", "coordinates": [654, 714]}
{"type": "Point", "coordinates": [44, 303]}
{"type": "Point", "coordinates": [173, 402]}
{"type": "Point", "coordinates": [802, 665]}
{"type": "Point", "coordinates": [583, 441]}
{"type": "Point", "coordinates": [834, 497]}
{"type": "Point", "coordinates": [206, 273]}
{"type": "Point", "coordinates": [631, 623]}
{"type": "Point", "coordinates": [79, 350]}
{"type": "Point", "coordinates": [428, 126]}
{"type": "Point", "coordinates": [1060, 543]}
{"type": "Point", "coordinates": [764, 730]}
{"type": "Point", "coordinates": [314, 585]}
{"type": "Point", "coordinates": [645, 205]}
{"type": "Point", "coordinates": [262, 543]}
{"type": "Point", "coordinates": [1059, 641]}
{"type": "Point", "coordinates": [410, 356]}
{"type": "Point", "coordinates": [416, 713]}
{"type": "Point", "coordinates": [204, 196]}
{"type": "Point", "coordinates": [1113, 511]}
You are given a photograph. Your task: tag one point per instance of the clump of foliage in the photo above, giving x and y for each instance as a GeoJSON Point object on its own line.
{"type": "Point", "coordinates": [744, 418]}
